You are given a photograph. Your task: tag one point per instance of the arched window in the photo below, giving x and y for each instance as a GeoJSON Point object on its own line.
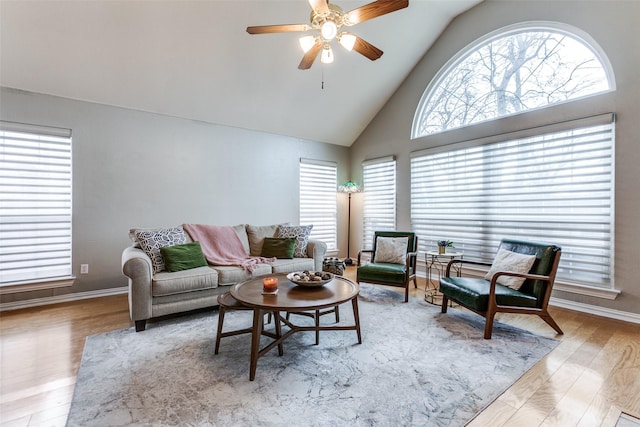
{"type": "Point", "coordinates": [516, 69]}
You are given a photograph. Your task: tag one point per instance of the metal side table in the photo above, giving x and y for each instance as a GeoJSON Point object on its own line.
{"type": "Point", "coordinates": [436, 268]}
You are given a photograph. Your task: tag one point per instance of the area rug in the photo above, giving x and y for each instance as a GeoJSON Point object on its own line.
{"type": "Point", "coordinates": [415, 366]}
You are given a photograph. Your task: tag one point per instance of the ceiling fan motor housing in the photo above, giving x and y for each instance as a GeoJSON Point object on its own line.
{"type": "Point", "coordinates": [329, 22]}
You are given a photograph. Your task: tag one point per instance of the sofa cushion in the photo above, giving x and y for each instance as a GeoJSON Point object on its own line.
{"type": "Point", "coordinates": [278, 247]}
{"type": "Point", "coordinates": [256, 235]}
{"type": "Point", "coordinates": [232, 274]}
{"type": "Point", "coordinates": [510, 261]}
{"type": "Point", "coordinates": [151, 241]}
{"type": "Point", "coordinates": [300, 233]}
{"type": "Point", "coordinates": [183, 257]}
{"type": "Point", "coordinates": [166, 283]}
{"type": "Point", "coordinates": [291, 265]}
{"type": "Point", "coordinates": [241, 231]}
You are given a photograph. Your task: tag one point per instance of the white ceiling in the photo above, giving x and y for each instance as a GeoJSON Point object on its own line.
{"type": "Point", "coordinates": [194, 59]}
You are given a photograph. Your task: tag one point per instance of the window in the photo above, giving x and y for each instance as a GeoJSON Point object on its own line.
{"type": "Point", "coordinates": [318, 204]}
{"type": "Point", "coordinates": [379, 205]}
{"type": "Point", "coordinates": [35, 204]}
{"type": "Point", "coordinates": [550, 184]}
{"type": "Point", "coordinates": [514, 70]}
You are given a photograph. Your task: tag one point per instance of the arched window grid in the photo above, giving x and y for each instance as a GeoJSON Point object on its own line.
{"type": "Point", "coordinates": [463, 55]}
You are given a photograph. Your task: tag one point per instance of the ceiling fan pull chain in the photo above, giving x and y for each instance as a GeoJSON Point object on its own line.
{"type": "Point", "coordinates": [322, 82]}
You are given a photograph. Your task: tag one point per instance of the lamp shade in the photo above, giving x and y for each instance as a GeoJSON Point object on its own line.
{"type": "Point", "coordinates": [350, 187]}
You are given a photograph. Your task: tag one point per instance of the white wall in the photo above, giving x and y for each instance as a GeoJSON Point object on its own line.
{"type": "Point", "coordinates": [614, 26]}
{"type": "Point", "coordinates": [136, 169]}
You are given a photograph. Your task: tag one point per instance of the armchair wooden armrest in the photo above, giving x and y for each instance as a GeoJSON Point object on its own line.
{"type": "Point", "coordinates": [363, 251]}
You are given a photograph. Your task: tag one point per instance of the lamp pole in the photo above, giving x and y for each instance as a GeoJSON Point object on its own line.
{"type": "Point", "coordinates": [349, 187]}
{"type": "Point", "coordinates": [348, 260]}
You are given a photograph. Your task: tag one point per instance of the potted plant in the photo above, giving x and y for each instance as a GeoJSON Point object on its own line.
{"type": "Point", "coordinates": [443, 245]}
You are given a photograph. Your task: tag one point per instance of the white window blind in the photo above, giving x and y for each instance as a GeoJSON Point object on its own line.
{"type": "Point", "coordinates": [379, 204]}
{"type": "Point", "coordinates": [318, 203]}
{"type": "Point", "coordinates": [550, 185]}
{"type": "Point", "coordinates": [35, 203]}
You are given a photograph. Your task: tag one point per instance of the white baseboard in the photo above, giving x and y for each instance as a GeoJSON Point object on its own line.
{"type": "Point", "coordinates": [596, 310]}
{"type": "Point", "coordinates": [557, 302]}
{"type": "Point", "coordinates": [36, 302]}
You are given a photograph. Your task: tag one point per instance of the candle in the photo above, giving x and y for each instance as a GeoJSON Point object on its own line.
{"type": "Point", "coordinates": [270, 284]}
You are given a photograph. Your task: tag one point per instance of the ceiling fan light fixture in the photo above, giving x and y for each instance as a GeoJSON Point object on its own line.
{"type": "Point", "coordinates": [306, 43]}
{"type": "Point", "coordinates": [329, 30]}
{"type": "Point", "coordinates": [347, 41]}
{"type": "Point", "coordinates": [327, 55]}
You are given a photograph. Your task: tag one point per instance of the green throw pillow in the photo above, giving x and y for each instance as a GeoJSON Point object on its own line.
{"type": "Point", "coordinates": [279, 247]}
{"type": "Point", "coordinates": [183, 257]}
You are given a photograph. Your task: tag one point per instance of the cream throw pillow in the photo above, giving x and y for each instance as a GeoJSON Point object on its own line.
{"type": "Point", "coordinates": [392, 250]}
{"type": "Point", "coordinates": [510, 261]}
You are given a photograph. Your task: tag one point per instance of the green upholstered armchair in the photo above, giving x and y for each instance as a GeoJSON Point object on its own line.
{"type": "Point", "coordinates": [488, 297]}
{"type": "Point", "coordinates": [397, 273]}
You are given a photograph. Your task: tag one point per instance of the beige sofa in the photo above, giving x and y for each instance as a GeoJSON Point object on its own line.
{"type": "Point", "coordinates": [162, 293]}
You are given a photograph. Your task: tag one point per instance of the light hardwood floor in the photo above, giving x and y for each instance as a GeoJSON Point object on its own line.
{"type": "Point", "coordinates": [591, 376]}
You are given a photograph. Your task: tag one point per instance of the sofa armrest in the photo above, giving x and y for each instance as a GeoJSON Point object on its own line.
{"type": "Point", "coordinates": [136, 265]}
{"type": "Point", "coordinates": [316, 249]}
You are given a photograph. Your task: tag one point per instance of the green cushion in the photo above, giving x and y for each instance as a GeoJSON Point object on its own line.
{"type": "Point", "coordinates": [386, 272]}
{"type": "Point", "coordinates": [183, 257]}
{"type": "Point", "coordinates": [474, 293]}
{"type": "Point", "coordinates": [279, 247]}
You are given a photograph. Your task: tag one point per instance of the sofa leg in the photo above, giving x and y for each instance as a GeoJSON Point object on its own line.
{"type": "Point", "coordinates": [141, 325]}
{"type": "Point", "coordinates": [445, 303]}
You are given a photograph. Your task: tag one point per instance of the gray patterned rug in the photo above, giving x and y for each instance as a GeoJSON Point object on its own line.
{"type": "Point", "coordinates": [415, 366]}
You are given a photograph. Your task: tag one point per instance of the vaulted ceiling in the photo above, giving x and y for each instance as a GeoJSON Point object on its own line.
{"type": "Point", "coordinates": [195, 60]}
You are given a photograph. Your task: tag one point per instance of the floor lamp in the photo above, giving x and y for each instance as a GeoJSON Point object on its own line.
{"type": "Point", "coordinates": [349, 187]}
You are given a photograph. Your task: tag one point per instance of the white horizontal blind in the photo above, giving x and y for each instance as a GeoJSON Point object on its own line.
{"type": "Point", "coordinates": [35, 203]}
{"type": "Point", "coordinates": [379, 205]}
{"type": "Point", "coordinates": [318, 200]}
{"type": "Point", "coordinates": [555, 187]}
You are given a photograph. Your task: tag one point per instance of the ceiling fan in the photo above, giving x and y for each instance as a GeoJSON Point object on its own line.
{"type": "Point", "coordinates": [328, 19]}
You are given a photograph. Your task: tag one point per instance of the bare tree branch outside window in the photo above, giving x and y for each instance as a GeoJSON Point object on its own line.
{"type": "Point", "coordinates": [509, 75]}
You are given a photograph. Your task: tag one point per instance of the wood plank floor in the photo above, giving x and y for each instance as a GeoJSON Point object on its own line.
{"type": "Point", "coordinates": [586, 381]}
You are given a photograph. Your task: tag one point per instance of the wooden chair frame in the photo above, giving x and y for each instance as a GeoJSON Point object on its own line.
{"type": "Point", "coordinates": [411, 263]}
{"type": "Point", "coordinates": [493, 306]}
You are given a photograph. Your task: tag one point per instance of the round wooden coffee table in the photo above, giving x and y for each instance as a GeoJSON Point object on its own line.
{"type": "Point", "coordinates": [293, 298]}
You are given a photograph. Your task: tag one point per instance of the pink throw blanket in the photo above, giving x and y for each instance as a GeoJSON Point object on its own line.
{"type": "Point", "coordinates": [222, 246]}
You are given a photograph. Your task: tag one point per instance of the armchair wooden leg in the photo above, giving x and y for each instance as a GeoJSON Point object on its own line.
{"type": "Point", "coordinates": [406, 292]}
{"type": "Point", "coordinates": [547, 318]}
{"type": "Point", "coordinates": [445, 303]}
{"type": "Point", "coordinates": [488, 326]}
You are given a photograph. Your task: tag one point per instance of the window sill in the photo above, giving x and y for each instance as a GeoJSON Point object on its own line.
{"type": "Point", "coordinates": [37, 286]}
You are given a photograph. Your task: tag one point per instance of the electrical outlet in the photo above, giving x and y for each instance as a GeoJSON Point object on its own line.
{"type": "Point", "coordinates": [84, 268]}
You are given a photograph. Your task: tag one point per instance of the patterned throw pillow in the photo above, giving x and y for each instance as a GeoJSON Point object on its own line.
{"type": "Point", "coordinates": [392, 250]}
{"type": "Point", "coordinates": [151, 241]}
{"type": "Point", "coordinates": [510, 261]}
{"type": "Point", "coordinates": [301, 233]}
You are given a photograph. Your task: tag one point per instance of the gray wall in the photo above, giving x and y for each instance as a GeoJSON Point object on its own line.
{"type": "Point", "coordinates": [614, 26]}
{"type": "Point", "coordinates": [136, 169]}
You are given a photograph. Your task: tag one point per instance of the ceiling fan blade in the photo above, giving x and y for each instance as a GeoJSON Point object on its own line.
{"type": "Point", "coordinates": [373, 10]}
{"type": "Point", "coordinates": [310, 56]}
{"type": "Point", "coordinates": [367, 49]}
{"type": "Point", "coordinates": [286, 28]}
{"type": "Point", "coordinates": [320, 6]}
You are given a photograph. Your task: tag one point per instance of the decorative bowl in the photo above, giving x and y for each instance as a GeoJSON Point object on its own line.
{"type": "Point", "coordinates": [310, 279]}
